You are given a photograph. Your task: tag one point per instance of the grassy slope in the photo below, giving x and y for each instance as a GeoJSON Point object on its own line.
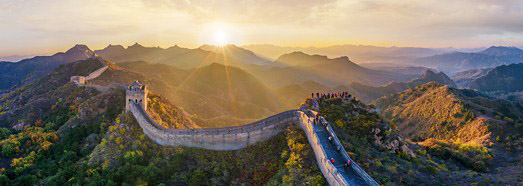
{"type": "Point", "coordinates": [479, 133]}
{"type": "Point", "coordinates": [168, 115]}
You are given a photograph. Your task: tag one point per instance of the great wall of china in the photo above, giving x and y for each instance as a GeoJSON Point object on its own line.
{"type": "Point", "coordinates": [81, 80]}
{"type": "Point", "coordinates": [233, 138]}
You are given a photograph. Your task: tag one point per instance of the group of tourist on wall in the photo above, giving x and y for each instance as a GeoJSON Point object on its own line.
{"type": "Point", "coordinates": [318, 118]}
{"type": "Point", "coordinates": [323, 96]}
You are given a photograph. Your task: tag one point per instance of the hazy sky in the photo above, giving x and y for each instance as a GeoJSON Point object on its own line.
{"type": "Point", "coordinates": [47, 26]}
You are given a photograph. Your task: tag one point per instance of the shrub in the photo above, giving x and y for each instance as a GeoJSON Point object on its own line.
{"type": "Point", "coordinates": [340, 123]}
{"type": "Point", "coordinates": [508, 120]}
{"type": "Point", "coordinates": [479, 166]}
{"type": "Point", "coordinates": [198, 177]}
{"type": "Point", "coordinates": [421, 152]}
{"type": "Point", "coordinates": [431, 169]}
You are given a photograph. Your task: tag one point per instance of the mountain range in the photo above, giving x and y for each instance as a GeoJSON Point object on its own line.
{"type": "Point", "coordinates": [454, 62]}
{"type": "Point", "coordinates": [287, 69]}
{"type": "Point", "coordinates": [359, 53]}
{"type": "Point", "coordinates": [337, 71]}
{"type": "Point", "coordinates": [183, 58]}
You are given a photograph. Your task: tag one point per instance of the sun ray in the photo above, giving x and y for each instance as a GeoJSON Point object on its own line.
{"type": "Point", "coordinates": [194, 70]}
{"type": "Point", "coordinates": [228, 77]}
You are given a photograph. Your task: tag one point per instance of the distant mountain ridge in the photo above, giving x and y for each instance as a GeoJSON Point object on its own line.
{"type": "Point", "coordinates": [502, 51]}
{"type": "Point", "coordinates": [301, 58]}
{"type": "Point", "coordinates": [358, 53]}
{"type": "Point", "coordinates": [507, 78]}
{"type": "Point", "coordinates": [459, 61]}
{"type": "Point", "coordinates": [369, 93]}
{"type": "Point", "coordinates": [463, 78]}
{"type": "Point", "coordinates": [184, 58]}
{"type": "Point", "coordinates": [339, 71]}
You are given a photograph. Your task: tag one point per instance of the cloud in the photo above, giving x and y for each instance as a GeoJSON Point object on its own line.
{"type": "Point", "coordinates": [440, 23]}
{"type": "Point", "coordinates": [251, 11]}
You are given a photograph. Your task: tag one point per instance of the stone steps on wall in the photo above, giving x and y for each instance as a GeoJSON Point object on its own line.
{"type": "Point", "coordinates": [332, 152]}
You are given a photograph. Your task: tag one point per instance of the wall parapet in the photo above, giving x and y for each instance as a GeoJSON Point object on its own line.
{"type": "Point", "coordinates": [227, 138]}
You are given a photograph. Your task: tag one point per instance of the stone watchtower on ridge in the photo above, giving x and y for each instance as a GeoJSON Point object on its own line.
{"type": "Point", "coordinates": [136, 93]}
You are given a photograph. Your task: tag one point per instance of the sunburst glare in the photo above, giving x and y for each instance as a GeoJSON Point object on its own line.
{"type": "Point", "coordinates": [220, 38]}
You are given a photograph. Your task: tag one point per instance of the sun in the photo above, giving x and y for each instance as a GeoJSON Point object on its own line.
{"type": "Point", "coordinates": [219, 33]}
{"type": "Point", "coordinates": [220, 38]}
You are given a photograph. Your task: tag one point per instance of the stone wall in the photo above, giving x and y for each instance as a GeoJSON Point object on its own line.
{"type": "Point", "coordinates": [227, 138]}
{"type": "Point", "coordinates": [79, 80]}
{"type": "Point", "coordinates": [82, 80]}
{"type": "Point", "coordinates": [96, 73]}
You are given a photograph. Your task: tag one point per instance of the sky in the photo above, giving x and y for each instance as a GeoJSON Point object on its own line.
{"type": "Point", "coordinates": [46, 26]}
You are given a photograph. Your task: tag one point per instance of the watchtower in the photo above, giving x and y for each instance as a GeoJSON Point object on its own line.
{"type": "Point", "coordinates": [136, 93]}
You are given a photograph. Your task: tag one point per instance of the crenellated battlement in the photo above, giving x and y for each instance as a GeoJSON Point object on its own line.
{"type": "Point", "coordinates": [136, 93]}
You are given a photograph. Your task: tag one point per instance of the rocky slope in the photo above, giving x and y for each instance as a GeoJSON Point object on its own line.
{"type": "Point", "coordinates": [481, 133]}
